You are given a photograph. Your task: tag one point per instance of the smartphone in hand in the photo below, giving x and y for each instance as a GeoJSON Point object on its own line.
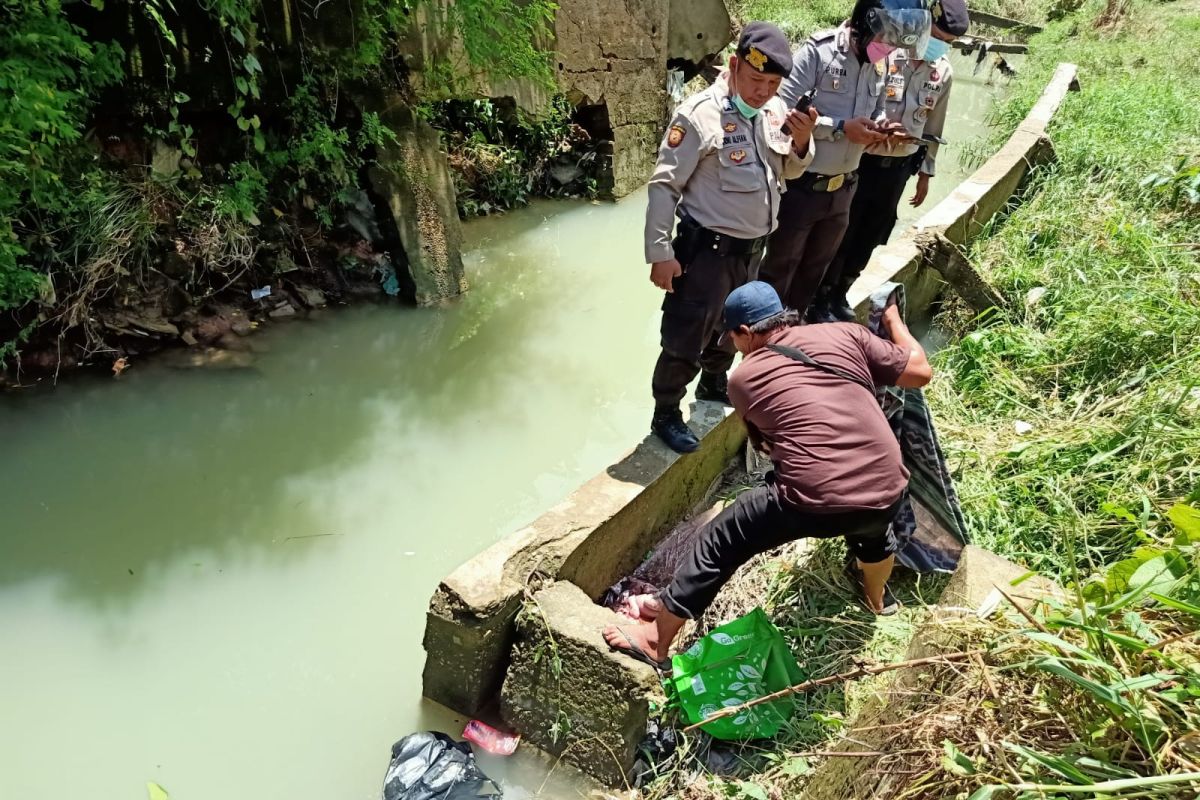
{"type": "Point", "coordinates": [802, 105]}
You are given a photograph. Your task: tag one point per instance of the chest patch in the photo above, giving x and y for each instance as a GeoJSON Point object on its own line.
{"type": "Point", "coordinates": [737, 156]}
{"type": "Point", "coordinates": [734, 139]}
{"type": "Point", "coordinates": [730, 127]}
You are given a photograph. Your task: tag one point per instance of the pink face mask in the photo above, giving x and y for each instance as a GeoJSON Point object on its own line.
{"type": "Point", "coordinates": [878, 51]}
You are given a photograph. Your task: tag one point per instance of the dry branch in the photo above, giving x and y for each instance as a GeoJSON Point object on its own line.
{"type": "Point", "coordinates": [854, 674]}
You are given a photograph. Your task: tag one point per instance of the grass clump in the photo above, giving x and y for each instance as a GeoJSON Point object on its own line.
{"type": "Point", "coordinates": [797, 20]}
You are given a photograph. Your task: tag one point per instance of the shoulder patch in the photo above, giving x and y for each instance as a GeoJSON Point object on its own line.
{"type": "Point", "coordinates": [675, 135]}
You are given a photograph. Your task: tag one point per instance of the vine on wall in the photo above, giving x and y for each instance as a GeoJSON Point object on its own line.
{"type": "Point", "coordinates": [250, 104]}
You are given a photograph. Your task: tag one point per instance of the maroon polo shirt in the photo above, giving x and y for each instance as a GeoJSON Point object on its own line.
{"type": "Point", "coordinates": [832, 447]}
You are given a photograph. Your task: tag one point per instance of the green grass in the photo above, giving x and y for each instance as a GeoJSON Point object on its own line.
{"type": "Point", "coordinates": [1105, 365]}
{"type": "Point", "coordinates": [797, 20]}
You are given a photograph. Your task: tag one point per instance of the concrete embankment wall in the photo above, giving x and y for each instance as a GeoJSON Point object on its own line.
{"type": "Point", "coordinates": [557, 682]}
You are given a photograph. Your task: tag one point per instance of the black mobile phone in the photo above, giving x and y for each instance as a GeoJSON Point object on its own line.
{"type": "Point", "coordinates": [802, 105]}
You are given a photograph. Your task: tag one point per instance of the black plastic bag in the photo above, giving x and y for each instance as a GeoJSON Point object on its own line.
{"type": "Point", "coordinates": [432, 766]}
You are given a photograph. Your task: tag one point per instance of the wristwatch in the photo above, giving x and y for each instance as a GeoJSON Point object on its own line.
{"type": "Point", "coordinates": [839, 130]}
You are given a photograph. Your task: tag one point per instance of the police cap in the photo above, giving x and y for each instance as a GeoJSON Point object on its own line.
{"type": "Point", "coordinates": [951, 16]}
{"type": "Point", "coordinates": [764, 47]}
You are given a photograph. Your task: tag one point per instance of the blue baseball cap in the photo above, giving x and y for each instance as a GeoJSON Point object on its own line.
{"type": "Point", "coordinates": [751, 303]}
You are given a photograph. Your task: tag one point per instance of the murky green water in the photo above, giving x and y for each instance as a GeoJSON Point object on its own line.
{"type": "Point", "coordinates": [970, 98]}
{"type": "Point", "coordinates": [217, 580]}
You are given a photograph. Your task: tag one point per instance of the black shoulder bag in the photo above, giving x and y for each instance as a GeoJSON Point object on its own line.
{"type": "Point", "coordinates": [805, 358]}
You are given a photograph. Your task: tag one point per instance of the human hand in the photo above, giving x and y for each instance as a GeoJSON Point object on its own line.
{"type": "Point", "coordinates": [891, 319]}
{"type": "Point", "coordinates": [800, 124]}
{"type": "Point", "coordinates": [663, 272]}
{"type": "Point", "coordinates": [862, 130]}
{"type": "Point", "coordinates": [922, 190]}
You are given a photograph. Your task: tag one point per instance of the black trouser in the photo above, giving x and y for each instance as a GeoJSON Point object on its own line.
{"type": "Point", "coordinates": [881, 181]}
{"type": "Point", "coordinates": [811, 225]}
{"type": "Point", "coordinates": [691, 323]}
{"type": "Point", "coordinates": [759, 521]}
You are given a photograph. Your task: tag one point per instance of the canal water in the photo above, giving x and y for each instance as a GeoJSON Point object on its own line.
{"type": "Point", "coordinates": [216, 580]}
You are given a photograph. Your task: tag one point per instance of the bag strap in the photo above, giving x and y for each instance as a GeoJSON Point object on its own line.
{"type": "Point", "coordinates": [804, 358]}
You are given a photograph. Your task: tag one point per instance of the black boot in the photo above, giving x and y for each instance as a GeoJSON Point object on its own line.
{"type": "Point", "coordinates": [839, 306]}
{"type": "Point", "coordinates": [714, 387]}
{"type": "Point", "coordinates": [667, 425]}
{"type": "Point", "coordinates": [819, 311]}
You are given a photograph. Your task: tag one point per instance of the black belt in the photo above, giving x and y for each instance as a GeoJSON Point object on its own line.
{"type": "Point", "coordinates": [726, 245]}
{"type": "Point", "coordinates": [886, 162]}
{"type": "Point", "coordinates": [815, 182]}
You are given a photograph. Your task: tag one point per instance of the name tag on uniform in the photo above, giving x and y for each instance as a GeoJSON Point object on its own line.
{"type": "Point", "coordinates": [734, 139]}
{"type": "Point", "coordinates": [835, 183]}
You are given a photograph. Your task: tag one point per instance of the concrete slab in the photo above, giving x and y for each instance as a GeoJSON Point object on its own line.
{"type": "Point", "coordinates": [568, 693]}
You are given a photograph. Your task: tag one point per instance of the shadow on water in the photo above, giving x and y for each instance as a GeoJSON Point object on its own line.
{"type": "Point", "coordinates": [201, 471]}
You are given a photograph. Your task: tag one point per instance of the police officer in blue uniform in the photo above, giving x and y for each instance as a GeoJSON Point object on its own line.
{"type": "Point", "coordinates": [843, 71]}
{"type": "Point", "coordinates": [916, 97]}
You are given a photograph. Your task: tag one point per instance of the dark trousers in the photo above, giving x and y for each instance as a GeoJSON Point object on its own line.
{"type": "Point", "coordinates": [691, 323]}
{"type": "Point", "coordinates": [811, 225]}
{"type": "Point", "coordinates": [872, 217]}
{"type": "Point", "coordinates": [759, 521]}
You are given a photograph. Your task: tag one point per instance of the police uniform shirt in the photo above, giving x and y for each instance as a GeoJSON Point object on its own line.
{"type": "Point", "coordinates": [916, 95]}
{"type": "Point", "coordinates": [844, 89]}
{"type": "Point", "coordinates": [724, 171]}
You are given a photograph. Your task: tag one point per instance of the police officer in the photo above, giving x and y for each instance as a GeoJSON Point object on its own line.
{"type": "Point", "coordinates": [916, 96]}
{"type": "Point", "coordinates": [843, 70]}
{"type": "Point", "coordinates": [721, 171]}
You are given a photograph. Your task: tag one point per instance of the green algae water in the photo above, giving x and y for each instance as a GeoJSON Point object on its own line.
{"type": "Point", "coordinates": [216, 580]}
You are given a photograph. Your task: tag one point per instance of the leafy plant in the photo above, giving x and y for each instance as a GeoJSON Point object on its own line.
{"type": "Point", "coordinates": [1183, 184]}
{"type": "Point", "coordinates": [49, 74]}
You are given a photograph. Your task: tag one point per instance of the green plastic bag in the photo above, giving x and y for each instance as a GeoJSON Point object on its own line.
{"type": "Point", "coordinates": [740, 661]}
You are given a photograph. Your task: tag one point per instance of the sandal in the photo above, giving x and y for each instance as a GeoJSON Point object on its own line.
{"type": "Point", "coordinates": [638, 654]}
{"type": "Point", "coordinates": [890, 604]}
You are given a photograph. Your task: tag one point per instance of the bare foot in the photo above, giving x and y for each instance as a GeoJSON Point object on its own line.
{"type": "Point", "coordinates": [643, 637]}
{"type": "Point", "coordinates": [647, 607]}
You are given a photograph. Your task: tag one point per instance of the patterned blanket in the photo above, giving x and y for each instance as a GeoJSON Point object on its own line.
{"type": "Point", "coordinates": [927, 542]}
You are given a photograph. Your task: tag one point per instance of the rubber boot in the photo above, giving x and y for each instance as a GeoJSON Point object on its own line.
{"type": "Point", "coordinates": [667, 424]}
{"type": "Point", "coordinates": [713, 387]}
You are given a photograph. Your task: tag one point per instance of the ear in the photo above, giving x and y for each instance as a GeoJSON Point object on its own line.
{"type": "Point", "coordinates": [733, 62]}
{"type": "Point", "coordinates": [744, 330]}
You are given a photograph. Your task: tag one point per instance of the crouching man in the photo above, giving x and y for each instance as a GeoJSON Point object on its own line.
{"type": "Point", "coordinates": [806, 394]}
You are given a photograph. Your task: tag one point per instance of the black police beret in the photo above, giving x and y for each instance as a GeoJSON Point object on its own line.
{"type": "Point", "coordinates": [764, 47]}
{"type": "Point", "coordinates": [951, 16]}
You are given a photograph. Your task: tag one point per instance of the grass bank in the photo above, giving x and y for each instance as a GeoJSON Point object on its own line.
{"type": "Point", "coordinates": [1072, 419]}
